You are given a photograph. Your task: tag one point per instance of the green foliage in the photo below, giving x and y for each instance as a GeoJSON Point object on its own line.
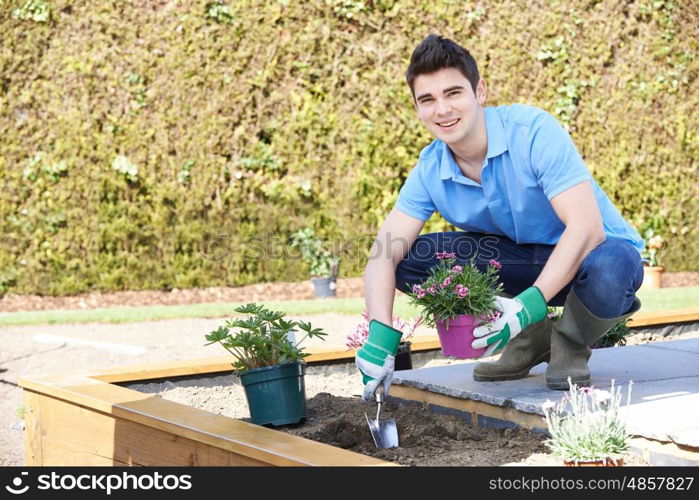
{"type": "Point", "coordinates": [252, 118]}
{"type": "Point", "coordinates": [38, 11]}
{"type": "Point", "coordinates": [322, 263]}
{"type": "Point", "coordinates": [263, 338]}
{"type": "Point", "coordinates": [615, 336]}
{"type": "Point", "coordinates": [653, 243]}
{"type": "Point", "coordinates": [452, 290]}
{"type": "Point", "coordinates": [220, 12]}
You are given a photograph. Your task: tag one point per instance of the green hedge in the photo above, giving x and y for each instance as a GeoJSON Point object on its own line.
{"type": "Point", "coordinates": [149, 145]}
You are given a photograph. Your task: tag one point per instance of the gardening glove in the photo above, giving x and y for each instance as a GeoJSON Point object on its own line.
{"type": "Point", "coordinates": [375, 360]}
{"type": "Point", "coordinates": [515, 315]}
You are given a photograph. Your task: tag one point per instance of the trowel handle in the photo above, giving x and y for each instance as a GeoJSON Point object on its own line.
{"type": "Point", "coordinates": [379, 394]}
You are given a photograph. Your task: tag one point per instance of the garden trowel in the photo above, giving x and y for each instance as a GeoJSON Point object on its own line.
{"type": "Point", "coordinates": [385, 433]}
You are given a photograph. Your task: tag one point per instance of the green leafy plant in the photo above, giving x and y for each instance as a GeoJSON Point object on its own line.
{"type": "Point", "coordinates": [653, 242]}
{"type": "Point", "coordinates": [615, 336]}
{"type": "Point", "coordinates": [220, 11]}
{"type": "Point", "coordinates": [585, 425]}
{"type": "Point", "coordinates": [38, 11]}
{"type": "Point", "coordinates": [125, 167]}
{"type": "Point", "coordinates": [321, 261]}
{"type": "Point", "coordinates": [264, 338]}
{"type": "Point", "coordinates": [452, 290]}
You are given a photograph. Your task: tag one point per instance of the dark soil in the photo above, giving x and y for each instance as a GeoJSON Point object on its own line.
{"type": "Point", "coordinates": [426, 438]}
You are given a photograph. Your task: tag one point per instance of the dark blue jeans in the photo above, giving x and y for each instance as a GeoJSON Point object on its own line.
{"type": "Point", "coordinates": [606, 281]}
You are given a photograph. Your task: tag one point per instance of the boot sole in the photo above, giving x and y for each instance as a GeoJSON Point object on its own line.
{"type": "Point", "coordinates": [512, 376]}
{"type": "Point", "coordinates": [562, 385]}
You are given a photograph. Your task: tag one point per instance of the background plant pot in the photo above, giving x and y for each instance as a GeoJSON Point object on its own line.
{"type": "Point", "coordinates": [276, 394]}
{"type": "Point", "coordinates": [324, 287]}
{"type": "Point", "coordinates": [609, 462]}
{"type": "Point", "coordinates": [457, 337]}
{"type": "Point", "coordinates": [653, 277]}
{"type": "Point", "coordinates": [404, 360]}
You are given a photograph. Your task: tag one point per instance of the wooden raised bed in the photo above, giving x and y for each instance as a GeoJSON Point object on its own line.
{"type": "Point", "coordinates": [85, 419]}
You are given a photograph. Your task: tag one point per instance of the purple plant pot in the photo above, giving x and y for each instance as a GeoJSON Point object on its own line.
{"type": "Point", "coordinates": [457, 337]}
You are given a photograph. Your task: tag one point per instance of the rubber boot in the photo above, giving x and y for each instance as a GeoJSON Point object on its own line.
{"type": "Point", "coordinates": [531, 347]}
{"type": "Point", "coordinates": [571, 337]}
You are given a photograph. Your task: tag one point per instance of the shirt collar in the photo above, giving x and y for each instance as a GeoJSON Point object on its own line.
{"type": "Point", "coordinates": [497, 145]}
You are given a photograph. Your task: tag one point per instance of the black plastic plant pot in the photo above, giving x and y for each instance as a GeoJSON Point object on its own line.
{"type": "Point", "coordinates": [276, 394]}
{"type": "Point", "coordinates": [404, 360]}
{"type": "Point", "coordinates": [324, 287]}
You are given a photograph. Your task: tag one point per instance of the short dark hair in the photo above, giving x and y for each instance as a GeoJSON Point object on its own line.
{"type": "Point", "coordinates": [436, 52]}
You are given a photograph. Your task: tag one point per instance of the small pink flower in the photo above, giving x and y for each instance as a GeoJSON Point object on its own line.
{"type": "Point", "coordinates": [457, 270]}
{"type": "Point", "coordinates": [416, 288]}
{"type": "Point", "coordinates": [421, 294]}
{"type": "Point", "coordinates": [495, 264]}
{"type": "Point", "coordinates": [446, 282]}
{"type": "Point", "coordinates": [461, 291]}
{"type": "Point", "coordinates": [445, 255]}
{"type": "Point", "coordinates": [358, 336]}
{"type": "Point", "coordinates": [432, 290]}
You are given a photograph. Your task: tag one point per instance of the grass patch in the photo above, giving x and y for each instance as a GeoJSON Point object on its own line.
{"type": "Point", "coordinates": [652, 300]}
{"type": "Point", "coordinates": [663, 299]}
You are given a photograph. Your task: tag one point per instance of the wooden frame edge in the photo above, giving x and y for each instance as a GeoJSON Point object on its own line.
{"type": "Point", "coordinates": [111, 409]}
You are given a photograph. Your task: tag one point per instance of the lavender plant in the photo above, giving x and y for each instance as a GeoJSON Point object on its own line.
{"type": "Point", "coordinates": [585, 425]}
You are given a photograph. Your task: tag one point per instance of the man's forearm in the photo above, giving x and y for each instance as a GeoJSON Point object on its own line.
{"type": "Point", "coordinates": [575, 244]}
{"type": "Point", "coordinates": [380, 289]}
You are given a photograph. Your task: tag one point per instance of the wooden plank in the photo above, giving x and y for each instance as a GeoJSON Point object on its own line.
{"type": "Point", "coordinates": [33, 453]}
{"type": "Point", "coordinates": [167, 369]}
{"type": "Point", "coordinates": [652, 451]}
{"type": "Point", "coordinates": [200, 366]}
{"type": "Point", "coordinates": [475, 408]}
{"type": "Point", "coordinates": [664, 317]}
{"type": "Point", "coordinates": [240, 438]}
{"type": "Point", "coordinates": [74, 435]}
{"type": "Point", "coordinates": [420, 343]}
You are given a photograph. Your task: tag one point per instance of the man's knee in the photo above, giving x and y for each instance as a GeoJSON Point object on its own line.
{"type": "Point", "coordinates": [608, 277]}
{"type": "Point", "coordinates": [614, 262]}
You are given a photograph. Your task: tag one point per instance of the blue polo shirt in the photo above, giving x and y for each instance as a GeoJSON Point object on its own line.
{"type": "Point", "coordinates": [531, 158]}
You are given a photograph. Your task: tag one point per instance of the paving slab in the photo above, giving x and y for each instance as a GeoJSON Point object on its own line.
{"type": "Point", "coordinates": [664, 402]}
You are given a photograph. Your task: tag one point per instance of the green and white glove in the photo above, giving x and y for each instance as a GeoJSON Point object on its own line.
{"type": "Point", "coordinates": [376, 358]}
{"type": "Point", "coordinates": [515, 315]}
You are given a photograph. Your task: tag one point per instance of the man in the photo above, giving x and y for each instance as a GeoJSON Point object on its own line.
{"type": "Point", "coordinates": [512, 180]}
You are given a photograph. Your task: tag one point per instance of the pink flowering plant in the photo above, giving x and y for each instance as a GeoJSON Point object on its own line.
{"type": "Point", "coordinates": [357, 337]}
{"type": "Point", "coordinates": [452, 290]}
{"type": "Point", "coordinates": [585, 425]}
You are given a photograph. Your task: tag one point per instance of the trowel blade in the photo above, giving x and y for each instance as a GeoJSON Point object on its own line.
{"type": "Point", "coordinates": [384, 432]}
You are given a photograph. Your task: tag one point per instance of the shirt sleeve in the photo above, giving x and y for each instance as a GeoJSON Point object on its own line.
{"type": "Point", "coordinates": [414, 199]}
{"type": "Point", "coordinates": [554, 158]}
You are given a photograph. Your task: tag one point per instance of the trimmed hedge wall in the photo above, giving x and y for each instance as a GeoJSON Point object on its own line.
{"type": "Point", "coordinates": [156, 144]}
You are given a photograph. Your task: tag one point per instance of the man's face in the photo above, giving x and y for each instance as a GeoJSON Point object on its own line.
{"type": "Point", "coordinates": [447, 105]}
